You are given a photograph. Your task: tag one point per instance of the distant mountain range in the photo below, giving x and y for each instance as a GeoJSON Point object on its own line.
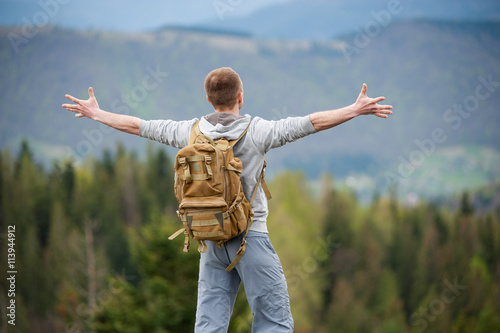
{"type": "Point", "coordinates": [326, 19]}
{"type": "Point", "coordinates": [299, 19]}
{"type": "Point", "coordinates": [442, 78]}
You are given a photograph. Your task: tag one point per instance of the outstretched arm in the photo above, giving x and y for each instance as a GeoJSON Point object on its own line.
{"type": "Point", "coordinates": [90, 108]}
{"type": "Point", "coordinates": [364, 105]}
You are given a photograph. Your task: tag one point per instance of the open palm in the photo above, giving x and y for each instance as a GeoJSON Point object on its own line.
{"type": "Point", "coordinates": [366, 105]}
{"type": "Point", "coordinates": [83, 108]}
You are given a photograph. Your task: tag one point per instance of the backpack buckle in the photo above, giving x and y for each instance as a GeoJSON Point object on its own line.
{"type": "Point", "coordinates": [185, 166]}
{"type": "Point", "coordinates": [208, 161]}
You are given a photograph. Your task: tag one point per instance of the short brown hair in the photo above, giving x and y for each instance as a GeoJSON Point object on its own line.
{"type": "Point", "coordinates": [222, 86]}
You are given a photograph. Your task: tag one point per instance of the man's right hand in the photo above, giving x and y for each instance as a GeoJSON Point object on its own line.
{"type": "Point", "coordinates": [83, 108]}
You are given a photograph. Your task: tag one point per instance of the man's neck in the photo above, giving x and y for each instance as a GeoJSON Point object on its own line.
{"type": "Point", "coordinates": [235, 110]}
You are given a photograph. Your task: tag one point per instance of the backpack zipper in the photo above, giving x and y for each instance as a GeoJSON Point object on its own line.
{"type": "Point", "coordinates": [225, 178]}
{"type": "Point", "coordinates": [223, 167]}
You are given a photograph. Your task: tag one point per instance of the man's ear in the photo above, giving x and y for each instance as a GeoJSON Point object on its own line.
{"type": "Point", "coordinates": [208, 99]}
{"type": "Point", "coordinates": [240, 99]}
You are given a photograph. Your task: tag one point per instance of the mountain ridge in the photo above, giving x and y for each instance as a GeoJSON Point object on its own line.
{"type": "Point", "coordinates": [323, 20]}
{"type": "Point", "coordinates": [423, 68]}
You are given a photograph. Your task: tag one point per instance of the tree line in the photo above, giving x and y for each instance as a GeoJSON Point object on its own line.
{"type": "Point", "coordinates": [92, 253]}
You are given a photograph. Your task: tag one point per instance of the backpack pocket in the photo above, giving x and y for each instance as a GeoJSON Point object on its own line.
{"type": "Point", "coordinates": [240, 216]}
{"type": "Point", "coordinates": [204, 220]}
{"type": "Point", "coordinates": [198, 172]}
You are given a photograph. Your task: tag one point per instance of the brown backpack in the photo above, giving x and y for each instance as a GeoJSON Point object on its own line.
{"type": "Point", "coordinates": [212, 205]}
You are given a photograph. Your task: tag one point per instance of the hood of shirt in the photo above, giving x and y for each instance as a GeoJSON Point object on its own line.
{"type": "Point", "coordinates": [224, 125]}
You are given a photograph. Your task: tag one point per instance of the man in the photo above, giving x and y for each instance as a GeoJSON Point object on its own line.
{"type": "Point", "coordinates": [259, 269]}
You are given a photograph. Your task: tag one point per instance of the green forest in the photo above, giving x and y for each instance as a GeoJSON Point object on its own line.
{"type": "Point", "coordinates": [92, 254]}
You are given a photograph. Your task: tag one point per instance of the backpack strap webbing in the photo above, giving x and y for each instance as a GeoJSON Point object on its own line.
{"type": "Point", "coordinates": [194, 133]}
{"type": "Point", "coordinates": [233, 142]}
{"type": "Point", "coordinates": [262, 180]}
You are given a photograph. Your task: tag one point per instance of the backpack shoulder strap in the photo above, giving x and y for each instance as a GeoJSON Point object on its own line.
{"type": "Point", "coordinates": [194, 132]}
{"type": "Point", "coordinates": [233, 142]}
{"type": "Point", "coordinates": [262, 182]}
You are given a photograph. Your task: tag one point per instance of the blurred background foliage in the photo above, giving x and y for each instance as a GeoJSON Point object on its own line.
{"type": "Point", "coordinates": [93, 253]}
{"type": "Point", "coordinates": [379, 227]}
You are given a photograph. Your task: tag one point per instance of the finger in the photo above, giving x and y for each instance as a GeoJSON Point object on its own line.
{"type": "Point", "coordinates": [91, 92]}
{"type": "Point", "coordinates": [73, 99]}
{"type": "Point", "coordinates": [381, 115]}
{"type": "Point", "coordinates": [378, 99]}
{"type": "Point", "coordinates": [388, 107]}
{"type": "Point", "coordinates": [78, 113]}
{"type": "Point", "coordinates": [363, 89]}
{"type": "Point", "coordinates": [383, 112]}
{"type": "Point", "coordinates": [71, 107]}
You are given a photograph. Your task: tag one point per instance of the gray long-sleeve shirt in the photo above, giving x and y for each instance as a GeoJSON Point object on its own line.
{"type": "Point", "coordinates": [262, 136]}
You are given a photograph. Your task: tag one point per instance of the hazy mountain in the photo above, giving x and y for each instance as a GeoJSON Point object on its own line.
{"type": "Point", "coordinates": [299, 19]}
{"type": "Point", "coordinates": [324, 19]}
{"type": "Point", "coordinates": [441, 77]}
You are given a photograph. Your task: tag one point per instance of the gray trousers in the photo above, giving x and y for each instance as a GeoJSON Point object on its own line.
{"type": "Point", "coordinates": [260, 272]}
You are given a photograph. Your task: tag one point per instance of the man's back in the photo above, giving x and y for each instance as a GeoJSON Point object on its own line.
{"type": "Point", "coordinates": [262, 135]}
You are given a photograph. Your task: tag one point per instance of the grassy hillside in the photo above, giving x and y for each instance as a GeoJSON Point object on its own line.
{"type": "Point", "coordinates": [425, 69]}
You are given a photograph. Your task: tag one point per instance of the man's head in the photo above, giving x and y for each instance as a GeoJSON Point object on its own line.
{"type": "Point", "coordinates": [224, 88]}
